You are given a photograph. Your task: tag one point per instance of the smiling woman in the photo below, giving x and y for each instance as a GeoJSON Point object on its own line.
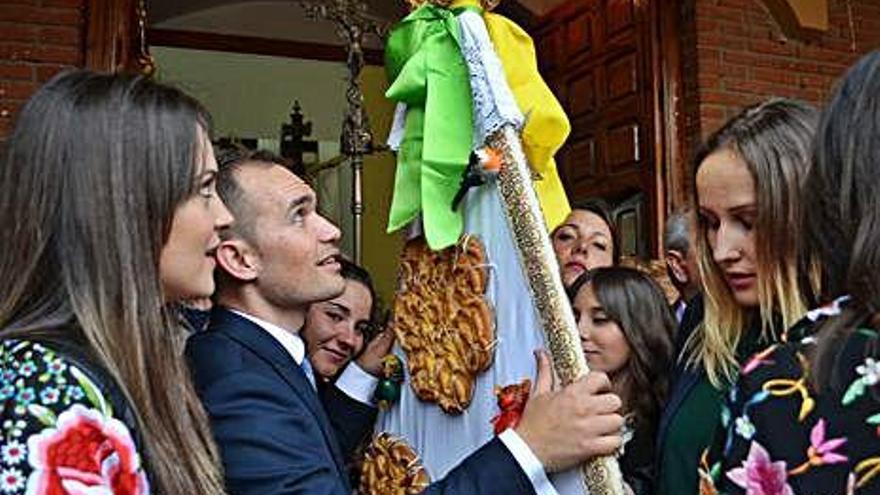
{"type": "Point", "coordinates": [336, 330]}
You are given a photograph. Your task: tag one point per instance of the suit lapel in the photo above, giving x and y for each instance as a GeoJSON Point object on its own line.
{"type": "Point", "coordinates": [261, 343]}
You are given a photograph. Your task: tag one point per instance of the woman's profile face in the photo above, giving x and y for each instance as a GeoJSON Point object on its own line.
{"type": "Point", "coordinates": [581, 243]}
{"type": "Point", "coordinates": [602, 340]}
{"type": "Point", "coordinates": [728, 210]}
{"type": "Point", "coordinates": [186, 264]}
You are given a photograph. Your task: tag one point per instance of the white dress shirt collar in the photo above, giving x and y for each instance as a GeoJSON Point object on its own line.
{"type": "Point", "coordinates": [291, 341]}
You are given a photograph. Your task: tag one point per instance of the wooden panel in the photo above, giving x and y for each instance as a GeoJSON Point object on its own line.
{"type": "Point", "coordinates": [582, 95]}
{"type": "Point", "coordinates": [623, 147]}
{"type": "Point", "coordinates": [618, 16]}
{"type": "Point", "coordinates": [580, 33]}
{"type": "Point", "coordinates": [551, 46]}
{"type": "Point", "coordinates": [582, 160]}
{"type": "Point", "coordinates": [608, 69]}
{"type": "Point", "coordinates": [621, 77]}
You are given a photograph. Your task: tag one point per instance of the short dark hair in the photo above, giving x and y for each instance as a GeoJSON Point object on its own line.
{"type": "Point", "coordinates": [229, 164]}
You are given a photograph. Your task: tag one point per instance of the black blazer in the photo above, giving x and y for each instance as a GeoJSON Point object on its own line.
{"type": "Point", "coordinates": [272, 430]}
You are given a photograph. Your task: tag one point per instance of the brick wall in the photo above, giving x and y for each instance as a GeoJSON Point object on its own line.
{"type": "Point", "coordinates": [742, 56]}
{"type": "Point", "coordinates": [37, 39]}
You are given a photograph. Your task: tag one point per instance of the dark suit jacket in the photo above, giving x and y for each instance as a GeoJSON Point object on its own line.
{"type": "Point", "coordinates": [683, 379]}
{"type": "Point", "coordinates": [274, 435]}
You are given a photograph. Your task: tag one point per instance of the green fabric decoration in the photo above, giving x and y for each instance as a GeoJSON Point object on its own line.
{"type": "Point", "coordinates": [428, 73]}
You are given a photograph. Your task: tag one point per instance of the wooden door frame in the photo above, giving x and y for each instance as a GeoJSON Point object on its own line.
{"type": "Point", "coordinates": [671, 153]}
{"type": "Point", "coordinates": [112, 39]}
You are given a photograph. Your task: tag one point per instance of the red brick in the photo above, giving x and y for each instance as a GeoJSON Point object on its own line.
{"type": "Point", "coordinates": [46, 72]}
{"type": "Point", "coordinates": [16, 71]}
{"type": "Point", "coordinates": [65, 36]}
{"type": "Point", "coordinates": [734, 29]}
{"type": "Point", "coordinates": [721, 98]}
{"type": "Point", "coordinates": [775, 76]}
{"type": "Point", "coordinates": [707, 25]}
{"type": "Point", "coordinates": [720, 40]}
{"type": "Point", "coordinates": [18, 32]}
{"type": "Point", "coordinates": [41, 15]}
{"type": "Point", "coordinates": [16, 90]}
{"type": "Point", "coordinates": [58, 54]}
{"type": "Point", "coordinates": [16, 51]}
{"type": "Point", "coordinates": [712, 112]}
{"type": "Point", "coordinates": [771, 47]}
{"type": "Point", "coordinates": [721, 13]}
{"type": "Point", "coordinates": [737, 4]}
{"type": "Point", "coordinates": [709, 81]}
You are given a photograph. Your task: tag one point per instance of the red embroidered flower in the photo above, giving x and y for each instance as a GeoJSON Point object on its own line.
{"type": "Point", "coordinates": [85, 452]}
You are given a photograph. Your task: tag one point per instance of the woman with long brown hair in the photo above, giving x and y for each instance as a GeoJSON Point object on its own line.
{"type": "Point", "coordinates": [626, 328]}
{"type": "Point", "coordinates": [110, 217]}
{"type": "Point", "coordinates": [748, 178]}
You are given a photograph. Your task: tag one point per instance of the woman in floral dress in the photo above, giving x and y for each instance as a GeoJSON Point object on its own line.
{"type": "Point", "coordinates": [804, 417]}
{"type": "Point", "coordinates": [110, 216]}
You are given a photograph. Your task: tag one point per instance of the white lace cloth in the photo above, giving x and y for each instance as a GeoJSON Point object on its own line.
{"type": "Point", "coordinates": [493, 102]}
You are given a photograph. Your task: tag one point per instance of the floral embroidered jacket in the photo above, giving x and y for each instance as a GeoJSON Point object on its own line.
{"type": "Point", "coordinates": [58, 432]}
{"type": "Point", "coordinates": [783, 438]}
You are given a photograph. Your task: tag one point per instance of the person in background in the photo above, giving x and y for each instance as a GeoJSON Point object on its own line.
{"type": "Point", "coordinates": [803, 417]}
{"type": "Point", "coordinates": [626, 330]}
{"type": "Point", "coordinates": [587, 239]}
{"type": "Point", "coordinates": [681, 259]}
{"type": "Point", "coordinates": [748, 182]}
{"type": "Point", "coordinates": [111, 218]}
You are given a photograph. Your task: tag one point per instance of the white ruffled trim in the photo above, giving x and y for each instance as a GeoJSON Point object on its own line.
{"type": "Point", "coordinates": [494, 104]}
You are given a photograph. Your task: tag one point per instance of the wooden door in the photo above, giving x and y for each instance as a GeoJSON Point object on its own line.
{"type": "Point", "coordinates": [599, 57]}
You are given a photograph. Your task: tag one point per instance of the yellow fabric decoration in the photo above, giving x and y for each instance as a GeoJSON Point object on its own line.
{"type": "Point", "coordinates": [546, 127]}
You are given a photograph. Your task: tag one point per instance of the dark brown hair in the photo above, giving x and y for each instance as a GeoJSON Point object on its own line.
{"type": "Point", "coordinates": [842, 213]}
{"type": "Point", "coordinates": [637, 304]}
{"type": "Point", "coordinates": [600, 208]}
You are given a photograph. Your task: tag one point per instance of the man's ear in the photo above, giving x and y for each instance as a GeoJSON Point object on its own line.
{"type": "Point", "coordinates": [677, 269]}
{"type": "Point", "coordinates": [239, 260]}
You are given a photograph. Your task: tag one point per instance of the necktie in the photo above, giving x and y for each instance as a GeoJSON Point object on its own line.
{"type": "Point", "coordinates": [307, 369]}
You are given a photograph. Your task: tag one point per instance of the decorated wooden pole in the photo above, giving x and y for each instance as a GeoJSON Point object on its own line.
{"type": "Point", "coordinates": [601, 475]}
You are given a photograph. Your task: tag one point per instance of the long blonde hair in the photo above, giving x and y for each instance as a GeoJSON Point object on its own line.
{"type": "Point", "coordinates": [774, 140]}
{"type": "Point", "coordinates": [93, 174]}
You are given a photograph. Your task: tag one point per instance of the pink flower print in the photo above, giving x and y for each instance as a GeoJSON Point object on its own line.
{"type": "Point", "coordinates": [85, 452]}
{"type": "Point", "coordinates": [821, 451]}
{"type": "Point", "coordinates": [759, 475]}
{"type": "Point", "coordinates": [758, 359]}
{"type": "Point", "coordinates": [824, 449]}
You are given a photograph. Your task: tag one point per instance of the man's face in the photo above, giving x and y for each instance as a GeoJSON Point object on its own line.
{"type": "Point", "coordinates": [296, 247]}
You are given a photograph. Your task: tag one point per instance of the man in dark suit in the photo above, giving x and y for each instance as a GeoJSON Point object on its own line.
{"type": "Point", "coordinates": [249, 367]}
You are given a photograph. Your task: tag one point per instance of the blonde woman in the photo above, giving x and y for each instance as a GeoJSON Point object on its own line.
{"type": "Point", "coordinates": [748, 180]}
